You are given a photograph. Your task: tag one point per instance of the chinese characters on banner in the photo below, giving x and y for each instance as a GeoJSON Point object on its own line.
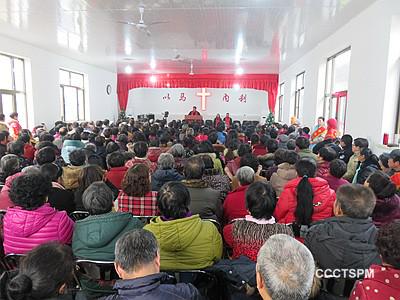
{"type": "Point", "coordinates": [225, 98]}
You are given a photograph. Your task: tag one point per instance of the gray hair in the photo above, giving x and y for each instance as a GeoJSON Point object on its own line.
{"type": "Point", "coordinates": [177, 150]}
{"type": "Point", "coordinates": [356, 201]}
{"type": "Point", "coordinates": [98, 198]}
{"type": "Point", "coordinates": [245, 175]}
{"type": "Point", "coordinates": [166, 161]}
{"type": "Point", "coordinates": [136, 249]}
{"type": "Point", "coordinates": [287, 268]}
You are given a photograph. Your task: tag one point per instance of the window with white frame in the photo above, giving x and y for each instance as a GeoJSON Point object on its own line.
{"type": "Point", "coordinates": [299, 94]}
{"type": "Point", "coordinates": [336, 86]}
{"type": "Point", "coordinates": [72, 94]}
{"type": "Point", "coordinates": [12, 87]}
{"type": "Point", "coordinates": [280, 101]}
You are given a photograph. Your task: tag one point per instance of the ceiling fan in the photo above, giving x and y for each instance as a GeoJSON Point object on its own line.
{"type": "Point", "coordinates": [141, 25]}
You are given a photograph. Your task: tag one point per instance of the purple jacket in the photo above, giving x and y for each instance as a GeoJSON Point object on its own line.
{"type": "Point", "coordinates": [335, 183]}
{"type": "Point", "coordinates": [386, 210]}
{"type": "Point", "coordinates": [26, 229]}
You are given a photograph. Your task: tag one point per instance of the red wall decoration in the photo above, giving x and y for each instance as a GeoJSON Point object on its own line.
{"type": "Point", "coordinates": [264, 82]}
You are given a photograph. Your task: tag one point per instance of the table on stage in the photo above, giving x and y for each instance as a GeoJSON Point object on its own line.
{"type": "Point", "coordinates": [194, 119]}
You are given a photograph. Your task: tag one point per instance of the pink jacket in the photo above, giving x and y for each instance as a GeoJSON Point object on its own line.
{"type": "Point", "coordinates": [5, 201]}
{"type": "Point", "coordinates": [24, 229]}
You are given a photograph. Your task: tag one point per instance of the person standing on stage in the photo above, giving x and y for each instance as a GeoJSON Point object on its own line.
{"type": "Point", "coordinates": [217, 120]}
{"type": "Point", "coordinates": [194, 112]}
{"type": "Point", "coordinates": [228, 121]}
{"type": "Point", "coordinates": [319, 131]}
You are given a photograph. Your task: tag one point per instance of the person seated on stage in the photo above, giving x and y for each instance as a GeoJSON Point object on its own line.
{"type": "Point", "coordinates": [194, 112]}
{"type": "Point", "coordinates": [228, 121]}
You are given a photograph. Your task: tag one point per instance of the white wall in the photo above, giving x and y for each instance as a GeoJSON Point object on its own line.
{"type": "Point", "coordinates": [150, 100]}
{"type": "Point", "coordinates": [373, 77]}
{"type": "Point", "coordinates": [43, 87]}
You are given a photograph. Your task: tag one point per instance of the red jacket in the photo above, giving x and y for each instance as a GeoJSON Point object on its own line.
{"type": "Point", "coordinates": [384, 283]}
{"type": "Point", "coordinates": [323, 169]}
{"type": "Point", "coordinates": [29, 151]}
{"type": "Point", "coordinates": [324, 197]}
{"type": "Point", "coordinates": [235, 204]}
{"type": "Point", "coordinates": [5, 201]}
{"type": "Point", "coordinates": [154, 153]}
{"type": "Point", "coordinates": [259, 150]}
{"type": "Point", "coordinates": [115, 176]}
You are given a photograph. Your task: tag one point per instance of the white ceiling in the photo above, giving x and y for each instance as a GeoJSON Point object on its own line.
{"type": "Point", "coordinates": [208, 32]}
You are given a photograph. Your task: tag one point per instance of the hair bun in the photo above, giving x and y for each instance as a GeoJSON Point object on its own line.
{"type": "Point", "coordinates": [20, 285]}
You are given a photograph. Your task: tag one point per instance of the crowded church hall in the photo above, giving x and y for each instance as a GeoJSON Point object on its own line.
{"type": "Point", "coordinates": [200, 149]}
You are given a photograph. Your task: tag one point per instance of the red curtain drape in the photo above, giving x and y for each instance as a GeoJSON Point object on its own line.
{"type": "Point", "coordinates": [264, 82]}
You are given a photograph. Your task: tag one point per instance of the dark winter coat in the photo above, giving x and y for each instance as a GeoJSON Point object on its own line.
{"type": "Point", "coordinates": [160, 177]}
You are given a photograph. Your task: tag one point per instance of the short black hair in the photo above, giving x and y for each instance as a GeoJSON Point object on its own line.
{"type": "Point", "coordinates": [16, 148]}
{"type": "Point", "coordinates": [140, 149]}
{"type": "Point", "coordinates": [112, 147]}
{"type": "Point", "coordinates": [261, 200]}
{"type": "Point", "coordinates": [45, 136]}
{"type": "Point", "coordinates": [24, 137]}
{"type": "Point", "coordinates": [279, 156]}
{"type": "Point", "coordinates": [77, 157]}
{"type": "Point", "coordinates": [249, 160]}
{"type": "Point", "coordinates": [254, 139]}
{"type": "Point", "coordinates": [347, 139]}
{"type": "Point", "coordinates": [291, 157]}
{"type": "Point", "coordinates": [173, 200]}
{"type": "Point", "coordinates": [327, 153]}
{"type": "Point", "coordinates": [194, 168]}
{"type": "Point", "coordinates": [356, 201]}
{"type": "Point", "coordinates": [272, 145]}
{"type": "Point", "coordinates": [51, 171]}
{"type": "Point", "coordinates": [98, 198]}
{"type": "Point", "coordinates": [244, 149]}
{"type": "Point", "coordinates": [388, 243]}
{"type": "Point", "coordinates": [30, 191]}
{"type": "Point", "coordinates": [45, 155]}
{"type": "Point", "coordinates": [4, 135]}
{"type": "Point", "coordinates": [213, 137]}
{"type": "Point", "coordinates": [361, 142]}
{"type": "Point", "coordinates": [337, 168]}
{"type": "Point", "coordinates": [291, 144]}
{"type": "Point", "coordinates": [115, 159]}
{"type": "Point", "coordinates": [384, 159]}
{"type": "Point", "coordinates": [302, 143]}
{"type": "Point", "coordinates": [395, 155]}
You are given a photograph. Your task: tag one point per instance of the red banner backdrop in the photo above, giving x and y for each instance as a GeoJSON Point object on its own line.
{"type": "Point", "coordinates": [263, 82]}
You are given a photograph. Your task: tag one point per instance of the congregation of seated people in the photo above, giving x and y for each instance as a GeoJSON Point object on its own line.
{"type": "Point", "coordinates": [309, 214]}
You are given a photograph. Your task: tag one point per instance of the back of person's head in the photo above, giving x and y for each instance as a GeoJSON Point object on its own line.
{"type": "Point", "coordinates": [302, 143]}
{"type": "Point", "coordinates": [177, 150]}
{"type": "Point", "coordinates": [245, 175]}
{"type": "Point", "coordinates": [291, 157]}
{"type": "Point", "coordinates": [98, 198]}
{"type": "Point", "coordinates": [42, 274]}
{"type": "Point", "coordinates": [384, 159]}
{"type": "Point", "coordinates": [77, 157]}
{"type": "Point", "coordinates": [88, 175]}
{"type": "Point", "coordinates": [194, 168]}
{"type": "Point", "coordinates": [14, 115]}
{"type": "Point", "coordinates": [388, 243]}
{"type": "Point", "coordinates": [122, 138]}
{"type": "Point", "coordinates": [112, 147]}
{"type": "Point", "coordinates": [45, 155]}
{"type": "Point", "coordinates": [135, 250]}
{"type": "Point", "coordinates": [115, 159]}
{"type": "Point", "coordinates": [25, 137]}
{"type": "Point", "coordinates": [173, 200]}
{"type": "Point", "coordinates": [140, 149]}
{"type": "Point", "coordinates": [305, 168]}
{"type": "Point", "coordinates": [381, 184]}
{"type": "Point", "coordinates": [366, 153]}
{"type": "Point", "coordinates": [136, 182]}
{"type": "Point", "coordinates": [327, 153]}
{"type": "Point", "coordinates": [51, 171]}
{"type": "Point", "coordinates": [16, 148]}
{"type": "Point", "coordinates": [361, 143]}
{"type": "Point", "coordinates": [249, 160]}
{"type": "Point", "coordinates": [355, 201]}
{"type": "Point", "coordinates": [213, 137]}
{"type": "Point", "coordinates": [261, 200]}
{"type": "Point", "coordinates": [208, 162]}
{"type": "Point", "coordinates": [337, 168]}
{"type": "Point", "coordinates": [279, 156]}
{"type": "Point", "coordinates": [347, 140]}
{"type": "Point", "coordinates": [63, 131]}
{"type": "Point", "coordinates": [285, 269]}
{"type": "Point", "coordinates": [165, 161]}
{"type": "Point", "coordinates": [254, 139]}
{"type": "Point", "coordinates": [306, 130]}
{"type": "Point", "coordinates": [45, 136]}
{"type": "Point", "coordinates": [291, 144]}
{"type": "Point", "coordinates": [272, 145]}
{"type": "Point", "coordinates": [9, 165]}
{"type": "Point", "coordinates": [30, 191]}
{"type": "Point", "coordinates": [395, 155]}
{"type": "Point", "coordinates": [244, 149]}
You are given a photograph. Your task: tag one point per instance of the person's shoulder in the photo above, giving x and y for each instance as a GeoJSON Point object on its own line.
{"type": "Point", "coordinates": [180, 291]}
